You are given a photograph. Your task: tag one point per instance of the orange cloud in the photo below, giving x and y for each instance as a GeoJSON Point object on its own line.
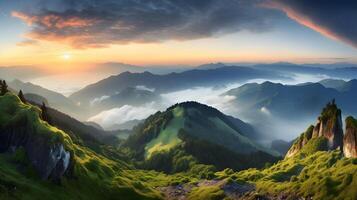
{"type": "Point", "coordinates": [27, 42]}
{"type": "Point", "coordinates": [54, 21]}
{"type": "Point", "coordinates": [26, 18]}
{"type": "Point", "coordinates": [306, 21]}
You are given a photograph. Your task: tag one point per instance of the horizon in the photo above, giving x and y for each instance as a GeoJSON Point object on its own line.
{"type": "Point", "coordinates": [178, 99]}
{"type": "Point", "coordinates": [260, 31]}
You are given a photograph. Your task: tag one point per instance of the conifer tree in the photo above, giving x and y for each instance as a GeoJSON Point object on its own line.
{"type": "Point", "coordinates": [44, 113]}
{"type": "Point", "coordinates": [22, 97]}
{"type": "Point", "coordinates": [4, 88]}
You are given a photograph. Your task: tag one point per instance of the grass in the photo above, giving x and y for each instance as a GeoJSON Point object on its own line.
{"type": "Point", "coordinates": [168, 137]}
{"type": "Point", "coordinates": [93, 176]}
{"type": "Point", "coordinates": [310, 173]}
{"type": "Point", "coordinates": [320, 175]}
{"type": "Point", "coordinates": [207, 193]}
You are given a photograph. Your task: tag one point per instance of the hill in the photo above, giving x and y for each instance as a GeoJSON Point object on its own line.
{"type": "Point", "coordinates": [41, 161]}
{"type": "Point", "coordinates": [133, 96]}
{"type": "Point", "coordinates": [316, 170]}
{"type": "Point", "coordinates": [302, 100]}
{"type": "Point", "coordinates": [347, 71]}
{"type": "Point", "coordinates": [190, 133]}
{"type": "Point", "coordinates": [169, 82]}
{"type": "Point", "coordinates": [54, 99]}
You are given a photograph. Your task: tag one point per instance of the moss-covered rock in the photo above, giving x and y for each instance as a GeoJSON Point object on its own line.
{"type": "Point", "coordinates": [350, 138]}
{"type": "Point", "coordinates": [328, 129]}
{"type": "Point", "coordinates": [47, 148]}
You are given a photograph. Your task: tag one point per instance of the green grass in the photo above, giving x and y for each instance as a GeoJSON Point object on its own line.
{"type": "Point", "coordinates": [207, 193]}
{"type": "Point", "coordinates": [310, 173]}
{"type": "Point", "coordinates": [168, 137]}
{"type": "Point", "coordinates": [93, 176]}
{"type": "Point", "coordinates": [321, 175]}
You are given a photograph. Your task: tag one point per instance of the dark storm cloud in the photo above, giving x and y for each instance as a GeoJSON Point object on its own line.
{"type": "Point", "coordinates": [336, 19]}
{"type": "Point", "coordinates": [97, 23]}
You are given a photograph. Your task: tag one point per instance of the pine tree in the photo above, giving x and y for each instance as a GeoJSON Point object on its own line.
{"type": "Point", "coordinates": [4, 88]}
{"type": "Point", "coordinates": [22, 97]}
{"type": "Point", "coordinates": [44, 114]}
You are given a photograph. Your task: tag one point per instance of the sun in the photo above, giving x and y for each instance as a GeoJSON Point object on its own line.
{"type": "Point", "coordinates": [66, 56]}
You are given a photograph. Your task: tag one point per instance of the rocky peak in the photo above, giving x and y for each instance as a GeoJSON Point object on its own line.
{"type": "Point", "coordinates": [328, 126]}
{"type": "Point", "coordinates": [350, 138]}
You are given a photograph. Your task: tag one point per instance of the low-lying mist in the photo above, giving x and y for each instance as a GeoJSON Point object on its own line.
{"type": "Point", "coordinates": [263, 120]}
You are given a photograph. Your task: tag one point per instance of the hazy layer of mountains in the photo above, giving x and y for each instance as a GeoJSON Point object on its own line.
{"type": "Point", "coordinates": [302, 100]}
{"type": "Point", "coordinates": [170, 82]}
{"type": "Point", "coordinates": [187, 151]}
{"type": "Point", "coordinates": [264, 105]}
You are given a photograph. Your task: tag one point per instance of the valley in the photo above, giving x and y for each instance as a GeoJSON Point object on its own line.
{"type": "Point", "coordinates": [178, 100]}
{"type": "Point", "coordinates": [188, 151]}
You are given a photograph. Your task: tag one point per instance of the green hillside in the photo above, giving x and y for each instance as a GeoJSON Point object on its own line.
{"type": "Point", "coordinates": [168, 137]}
{"type": "Point", "coordinates": [163, 143]}
{"type": "Point", "coordinates": [90, 175]}
{"type": "Point", "coordinates": [191, 133]}
{"type": "Point", "coordinates": [321, 175]}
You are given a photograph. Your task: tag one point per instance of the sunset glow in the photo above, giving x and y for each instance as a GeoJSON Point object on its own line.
{"type": "Point", "coordinates": [75, 42]}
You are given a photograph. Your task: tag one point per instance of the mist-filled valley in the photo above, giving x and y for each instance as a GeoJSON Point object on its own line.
{"type": "Point", "coordinates": [263, 97]}
{"type": "Point", "coordinates": [206, 127]}
{"type": "Point", "coordinates": [178, 100]}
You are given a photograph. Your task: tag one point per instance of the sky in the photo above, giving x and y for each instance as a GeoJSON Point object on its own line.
{"type": "Point", "coordinates": [74, 34]}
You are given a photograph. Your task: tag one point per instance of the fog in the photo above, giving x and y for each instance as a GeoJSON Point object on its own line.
{"type": "Point", "coordinates": [263, 120]}
{"type": "Point", "coordinates": [109, 118]}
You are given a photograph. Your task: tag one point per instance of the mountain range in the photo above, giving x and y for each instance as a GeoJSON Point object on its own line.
{"type": "Point", "coordinates": [169, 82]}
{"type": "Point", "coordinates": [46, 154]}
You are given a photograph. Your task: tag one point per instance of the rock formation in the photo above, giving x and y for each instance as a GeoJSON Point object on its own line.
{"type": "Point", "coordinates": [21, 127]}
{"type": "Point", "coordinates": [328, 125]}
{"type": "Point", "coordinates": [350, 138]}
{"type": "Point", "coordinates": [300, 142]}
{"type": "Point", "coordinates": [49, 159]}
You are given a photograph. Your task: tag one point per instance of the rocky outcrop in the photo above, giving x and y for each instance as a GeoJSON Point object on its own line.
{"type": "Point", "coordinates": [300, 142]}
{"type": "Point", "coordinates": [43, 145]}
{"type": "Point", "coordinates": [49, 158]}
{"type": "Point", "coordinates": [328, 125]}
{"type": "Point", "coordinates": [350, 138]}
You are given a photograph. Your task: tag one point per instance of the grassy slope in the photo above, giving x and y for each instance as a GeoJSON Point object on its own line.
{"type": "Point", "coordinates": [167, 138]}
{"type": "Point", "coordinates": [94, 175]}
{"type": "Point", "coordinates": [321, 175]}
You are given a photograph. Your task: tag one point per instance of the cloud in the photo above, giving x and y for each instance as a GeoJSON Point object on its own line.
{"type": "Point", "coordinates": [333, 19]}
{"type": "Point", "coordinates": [27, 43]}
{"type": "Point", "coordinates": [143, 87]}
{"type": "Point", "coordinates": [123, 114]}
{"type": "Point", "coordinates": [98, 100]}
{"type": "Point", "coordinates": [98, 23]}
{"type": "Point", "coordinates": [265, 110]}
{"type": "Point", "coordinates": [207, 95]}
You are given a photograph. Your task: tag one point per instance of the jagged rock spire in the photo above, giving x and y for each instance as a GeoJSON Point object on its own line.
{"type": "Point", "coordinates": [350, 138]}
{"type": "Point", "coordinates": [328, 126]}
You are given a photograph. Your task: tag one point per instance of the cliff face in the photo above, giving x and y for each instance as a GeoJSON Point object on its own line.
{"type": "Point", "coordinates": [328, 126]}
{"type": "Point", "coordinates": [300, 142]}
{"type": "Point", "coordinates": [21, 127]}
{"type": "Point", "coordinates": [350, 138]}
